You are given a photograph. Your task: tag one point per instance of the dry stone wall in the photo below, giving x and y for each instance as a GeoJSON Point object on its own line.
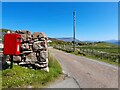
{"type": "Point", "coordinates": [34, 50]}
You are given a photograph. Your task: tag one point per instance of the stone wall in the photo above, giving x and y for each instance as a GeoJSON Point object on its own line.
{"type": "Point", "coordinates": [34, 50]}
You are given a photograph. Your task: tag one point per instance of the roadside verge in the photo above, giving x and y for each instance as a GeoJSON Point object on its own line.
{"type": "Point", "coordinates": [23, 77]}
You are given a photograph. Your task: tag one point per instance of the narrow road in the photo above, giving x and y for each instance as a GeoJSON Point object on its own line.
{"type": "Point", "coordinates": [88, 73]}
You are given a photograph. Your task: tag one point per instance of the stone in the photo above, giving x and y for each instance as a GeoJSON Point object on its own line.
{"type": "Point", "coordinates": [42, 35]}
{"type": "Point", "coordinates": [35, 35]}
{"type": "Point", "coordinates": [44, 54]}
{"type": "Point", "coordinates": [32, 57]}
{"type": "Point", "coordinates": [16, 58]}
{"type": "Point", "coordinates": [23, 37]}
{"type": "Point", "coordinates": [7, 58]}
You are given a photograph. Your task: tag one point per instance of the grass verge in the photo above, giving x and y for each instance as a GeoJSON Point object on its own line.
{"type": "Point", "coordinates": [0, 79]}
{"type": "Point", "coordinates": [21, 77]}
{"type": "Point", "coordinates": [95, 58]}
{"type": "Point", "coordinates": [92, 57]}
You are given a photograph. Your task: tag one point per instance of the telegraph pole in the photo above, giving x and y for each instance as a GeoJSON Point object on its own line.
{"type": "Point", "coordinates": [74, 28]}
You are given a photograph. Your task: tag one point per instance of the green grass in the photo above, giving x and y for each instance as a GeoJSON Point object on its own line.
{"type": "Point", "coordinates": [111, 51]}
{"type": "Point", "coordinates": [105, 47]}
{"type": "Point", "coordinates": [24, 77]}
{"type": "Point", "coordinates": [105, 44]}
{"type": "Point", "coordinates": [95, 58]}
{"type": "Point", "coordinates": [103, 60]}
{"type": "Point", "coordinates": [108, 50]}
{"type": "Point", "coordinates": [0, 79]}
{"type": "Point", "coordinates": [92, 57]}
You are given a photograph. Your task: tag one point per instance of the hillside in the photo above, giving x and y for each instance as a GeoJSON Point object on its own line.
{"type": "Point", "coordinates": [53, 39]}
{"type": "Point", "coordinates": [68, 39]}
{"type": "Point", "coordinates": [117, 42]}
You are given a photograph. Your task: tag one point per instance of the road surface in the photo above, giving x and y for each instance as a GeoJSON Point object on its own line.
{"type": "Point", "coordinates": [86, 72]}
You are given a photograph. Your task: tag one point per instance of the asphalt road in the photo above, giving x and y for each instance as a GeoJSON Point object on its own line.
{"type": "Point", "coordinates": [87, 73]}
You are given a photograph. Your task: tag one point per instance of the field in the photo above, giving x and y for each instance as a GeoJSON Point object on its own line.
{"type": "Point", "coordinates": [104, 47]}
{"type": "Point", "coordinates": [102, 51]}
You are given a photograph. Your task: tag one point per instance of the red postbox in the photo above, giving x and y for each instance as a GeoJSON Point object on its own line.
{"type": "Point", "coordinates": [12, 43]}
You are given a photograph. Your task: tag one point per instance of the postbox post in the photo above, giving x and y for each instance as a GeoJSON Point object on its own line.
{"type": "Point", "coordinates": [11, 59]}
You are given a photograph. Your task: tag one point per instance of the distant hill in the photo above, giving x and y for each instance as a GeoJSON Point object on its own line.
{"type": "Point", "coordinates": [53, 39]}
{"type": "Point", "coordinates": [117, 42]}
{"type": "Point", "coordinates": [67, 39]}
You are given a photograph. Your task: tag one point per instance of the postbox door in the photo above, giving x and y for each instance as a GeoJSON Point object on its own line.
{"type": "Point", "coordinates": [12, 44]}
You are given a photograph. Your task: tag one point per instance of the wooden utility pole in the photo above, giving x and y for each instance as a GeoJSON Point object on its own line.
{"type": "Point", "coordinates": [74, 28]}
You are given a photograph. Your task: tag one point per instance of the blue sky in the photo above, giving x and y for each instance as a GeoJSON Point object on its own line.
{"type": "Point", "coordinates": [95, 20]}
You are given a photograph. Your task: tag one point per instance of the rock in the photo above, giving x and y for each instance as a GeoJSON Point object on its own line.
{"type": "Point", "coordinates": [46, 69]}
{"type": "Point", "coordinates": [44, 54]}
{"type": "Point", "coordinates": [16, 58]}
{"type": "Point", "coordinates": [35, 35]}
{"type": "Point", "coordinates": [25, 46]}
{"type": "Point", "coordinates": [35, 47]}
{"type": "Point", "coordinates": [7, 58]}
{"type": "Point", "coordinates": [32, 57]}
{"type": "Point", "coordinates": [42, 35]}
{"type": "Point", "coordinates": [23, 37]}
